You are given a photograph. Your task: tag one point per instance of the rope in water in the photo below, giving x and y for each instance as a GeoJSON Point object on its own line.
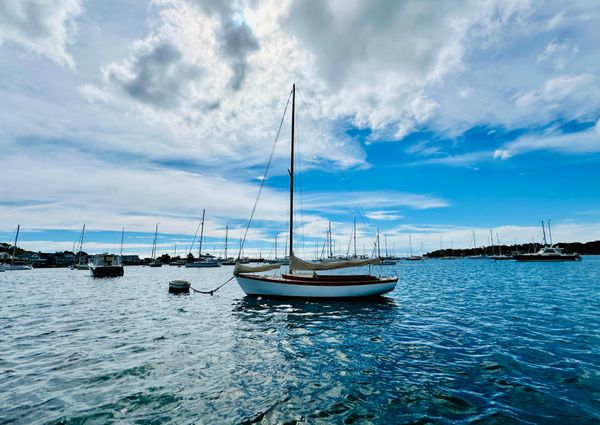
{"type": "Point", "coordinates": [212, 292]}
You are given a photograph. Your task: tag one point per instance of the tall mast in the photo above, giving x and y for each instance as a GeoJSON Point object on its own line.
{"type": "Point", "coordinates": [12, 260]}
{"type": "Point", "coordinates": [492, 241]}
{"type": "Point", "coordinates": [330, 241]}
{"type": "Point", "coordinates": [226, 234]}
{"type": "Point", "coordinates": [201, 235]}
{"type": "Point", "coordinates": [499, 247]}
{"type": "Point", "coordinates": [354, 238]}
{"type": "Point", "coordinates": [291, 251]}
{"type": "Point", "coordinates": [378, 247]}
{"type": "Point", "coordinates": [154, 243]}
{"type": "Point", "coordinates": [277, 253]}
{"type": "Point", "coordinates": [550, 233]}
{"type": "Point", "coordinates": [122, 235]}
{"type": "Point", "coordinates": [385, 242]}
{"type": "Point", "coordinates": [544, 232]}
{"type": "Point", "coordinates": [81, 239]}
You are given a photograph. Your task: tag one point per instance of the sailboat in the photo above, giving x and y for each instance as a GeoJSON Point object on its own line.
{"type": "Point", "coordinates": [312, 284]}
{"type": "Point", "coordinates": [203, 261]}
{"type": "Point", "coordinates": [412, 257]}
{"type": "Point", "coordinates": [500, 256]}
{"type": "Point", "coordinates": [16, 266]}
{"type": "Point", "coordinates": [476, 256]}
{"type": "Point", "coordinates": [227, 261]}
{"type": "Point", "coordinates": [387, 260]}
{"type": "Point", "coordinates": [79, 264]}
{"type": "Point", "coordinates": [155, 262]}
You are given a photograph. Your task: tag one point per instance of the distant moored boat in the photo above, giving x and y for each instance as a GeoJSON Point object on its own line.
{"type": "Point", "coordinates": [106, 265]}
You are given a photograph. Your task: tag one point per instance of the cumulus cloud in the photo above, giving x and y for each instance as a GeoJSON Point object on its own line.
{"type": "Point", "coordinates": [235, 37]}
{"type": "Point", "coordinates": [42, 27]}
{"type": "Point", "coordinates": [156, 74]}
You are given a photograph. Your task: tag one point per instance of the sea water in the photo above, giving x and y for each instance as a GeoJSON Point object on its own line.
{"type": "Point", "coordinates": [458, 341]}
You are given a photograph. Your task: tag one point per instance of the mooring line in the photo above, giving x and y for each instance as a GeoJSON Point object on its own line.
{"type": "Point", "coordinates": [211, 293]}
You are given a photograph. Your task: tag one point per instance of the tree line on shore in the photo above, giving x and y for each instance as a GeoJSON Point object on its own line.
{"type": "Point", "coordinates": [587, 248]}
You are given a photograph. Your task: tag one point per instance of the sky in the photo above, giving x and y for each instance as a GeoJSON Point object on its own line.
{"type": "Point", "coordinates": [431, 119]}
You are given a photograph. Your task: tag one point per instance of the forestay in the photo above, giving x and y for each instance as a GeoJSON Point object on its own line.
{"type": "Point", "coordinates": [299, 264]}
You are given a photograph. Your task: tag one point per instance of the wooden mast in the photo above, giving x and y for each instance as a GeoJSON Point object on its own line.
{"type": "Point", "coordinates": [291, 171]}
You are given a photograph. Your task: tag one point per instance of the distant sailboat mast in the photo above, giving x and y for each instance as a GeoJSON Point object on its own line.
{"type": "Point", "coordinates": [12, 260]}
{"type": "Point", "coordinates": [226, 235]}
{"type": "Point", "coordinates": [122, 236]}
{"type": "Point", "coordinates": [544, 233]}
{"type": "Point", "coordinates": [201, 235]}
{"type": "Point", "coordinates": [354, 238]}
{"type": "Point", "coordinates": [153, 255]}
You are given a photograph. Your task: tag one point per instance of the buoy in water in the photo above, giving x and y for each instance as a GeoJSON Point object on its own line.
{"type": "Point", "coordinates": [179, 287]}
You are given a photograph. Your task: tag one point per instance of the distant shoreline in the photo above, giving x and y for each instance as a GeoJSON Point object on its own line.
{"type": "Point", "coordinates": [587, 248]}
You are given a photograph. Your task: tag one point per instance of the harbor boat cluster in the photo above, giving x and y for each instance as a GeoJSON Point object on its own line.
{"type": "Point", "coordinates": [301, 278]}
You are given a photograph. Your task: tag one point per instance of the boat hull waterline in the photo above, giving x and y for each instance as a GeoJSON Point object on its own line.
{"type": "Point", "coordinates": [547, 258]}
{"type": "Point", "coordinates": [107, 271]}
{"type": "Point", "coordinates": [203, 264]}
{"type": "Point", "coordinates": [316, 288]}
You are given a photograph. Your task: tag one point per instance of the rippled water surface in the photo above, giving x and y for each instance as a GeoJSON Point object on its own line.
{"type": "Point", "coordinates": [457, 342]}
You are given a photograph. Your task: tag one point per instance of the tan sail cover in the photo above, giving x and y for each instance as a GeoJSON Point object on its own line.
{"type": "Point", "coordinates": [299, 264]}
{"type": "Point", "coordinates": [245, 268]}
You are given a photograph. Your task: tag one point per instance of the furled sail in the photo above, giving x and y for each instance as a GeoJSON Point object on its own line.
{"type": "Point", "coordinates": [299, 264]}
{"type": "Point", "coordinates": [245, 268]}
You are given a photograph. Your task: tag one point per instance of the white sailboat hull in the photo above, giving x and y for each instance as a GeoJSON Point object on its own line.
{"type": "Point", "coordinates": [278, 287]}
{"type": "Point", "coordinates": [203, 264]}
{"type": "Point", "coordinates": [17, 267]}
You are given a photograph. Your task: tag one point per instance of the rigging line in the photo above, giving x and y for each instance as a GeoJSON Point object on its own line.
{"type": "Point", "coordinates": [264, 178]}
{"type": "Point", "coordinates": [194, 240]}
{"type": "Point", "coordinates": [356, 203]}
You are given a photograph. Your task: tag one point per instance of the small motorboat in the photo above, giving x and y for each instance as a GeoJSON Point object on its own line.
{"type": "Point", "coordinates": [107, 265]}
{"type": "Point", "coordinates": [179, 287]}
{"type": "Point", "coordinates": [203, 263]}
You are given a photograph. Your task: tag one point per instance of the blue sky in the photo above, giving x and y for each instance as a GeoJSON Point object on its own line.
{"type": "Point", "coordinates": [422, 118]}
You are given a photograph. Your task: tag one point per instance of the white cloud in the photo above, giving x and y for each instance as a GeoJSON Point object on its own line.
{"type": "Point", "coordinates": [587, 141]}
{"type": "Point", "coordinates": [43, 27]}
{"type": "Point", "coordinates": [384, 215]}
